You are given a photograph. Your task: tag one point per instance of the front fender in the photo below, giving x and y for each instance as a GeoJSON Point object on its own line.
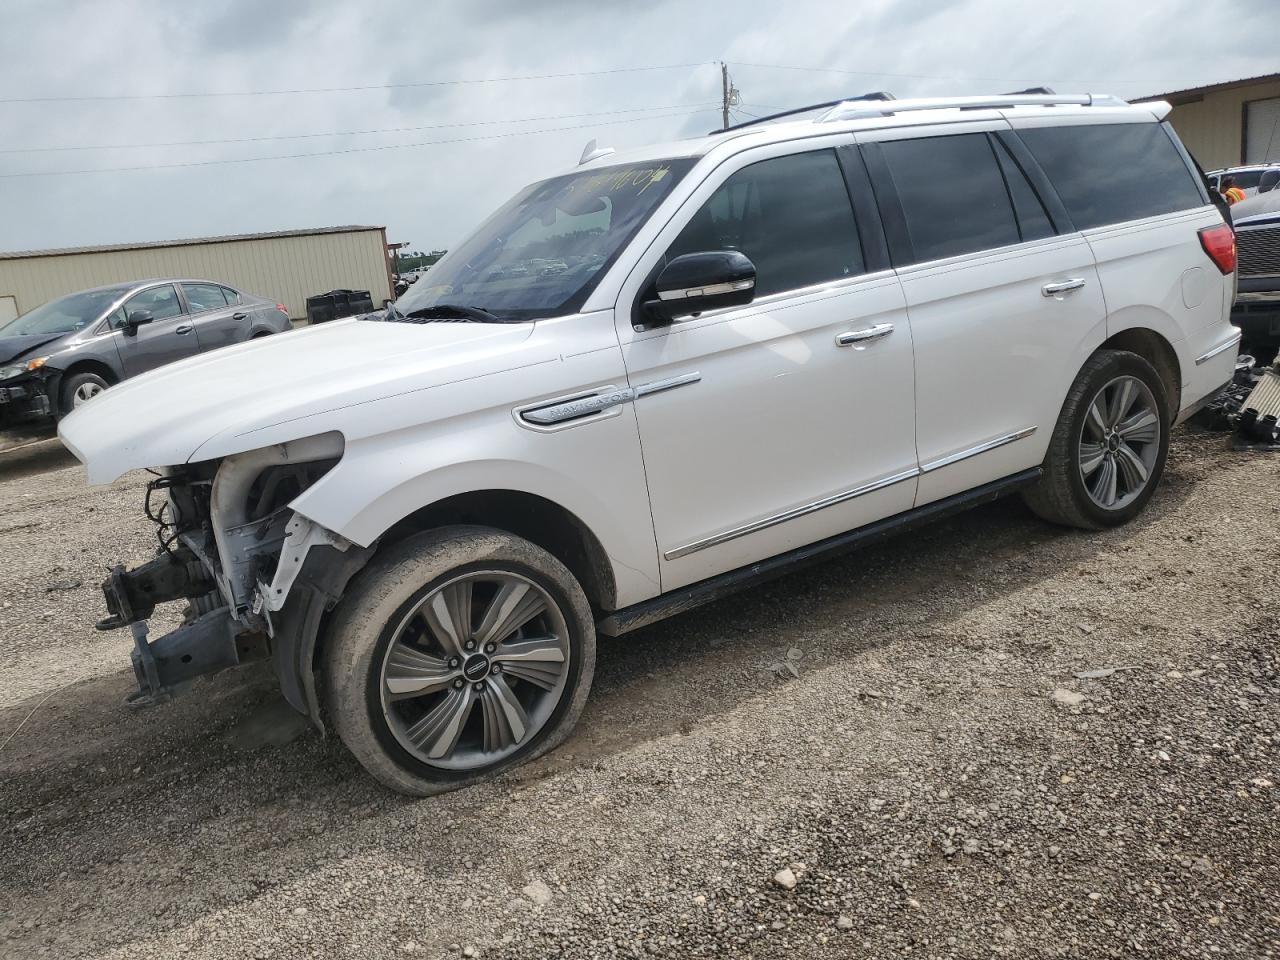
{"type": "Point", "coordinates": [591, 471]}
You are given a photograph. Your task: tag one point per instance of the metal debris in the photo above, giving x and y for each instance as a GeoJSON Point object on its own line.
{"type": "Point", "coordinates": [1249, 405]}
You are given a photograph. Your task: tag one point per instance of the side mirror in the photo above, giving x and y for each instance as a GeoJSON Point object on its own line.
{"type": "Point", "coordinates": [696, 282]}
{"type": "Point", "coordinates": [135, 319]}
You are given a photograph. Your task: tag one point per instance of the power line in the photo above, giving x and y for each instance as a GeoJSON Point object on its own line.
{"type": "Point", "coordinates": [912, 76]}
{"type": "Point", "coordinates": [345, 133]}
{"type": "Point", "coordinates": [333, 153]}
{"type": "Point", "coordinates": [379, 86]}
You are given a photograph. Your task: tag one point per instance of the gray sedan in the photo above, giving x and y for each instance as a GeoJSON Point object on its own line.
{"type": "Point", "coordinates": [66, 352]}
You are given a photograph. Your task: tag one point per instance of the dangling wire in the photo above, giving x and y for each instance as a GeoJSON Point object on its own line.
{"type": "Point", "coordinates": [158, 516]}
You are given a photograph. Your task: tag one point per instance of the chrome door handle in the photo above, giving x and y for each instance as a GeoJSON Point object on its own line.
{"type": "Point", "coordinates": [1061, 287]}
{"type": "Point", "coordinates": [879, 331]}
{"type": "Point", "coordinates": [184, 329]}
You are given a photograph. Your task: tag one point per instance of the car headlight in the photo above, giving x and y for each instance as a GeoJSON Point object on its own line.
{"type": "Point", "coordinates": [16, 369]}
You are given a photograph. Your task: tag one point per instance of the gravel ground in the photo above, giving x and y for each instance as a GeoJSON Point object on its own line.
{"type": "Point", "coordinates": [937, 782]}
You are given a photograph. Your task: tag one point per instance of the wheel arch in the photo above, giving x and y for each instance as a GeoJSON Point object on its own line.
{"type": "Point", "coordinates": [56, 385]}
{"type": "Point", "coordinates": [1156, 349]}
{"type": "Point", "coordinates": [303, 624]}
{"type": "Point", "coordinates": [90, 365]}
{"type": "Point", "coordinates": [537, 519]}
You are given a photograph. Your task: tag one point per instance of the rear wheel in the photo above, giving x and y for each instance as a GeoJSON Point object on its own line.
{"type": "Point", "coordinates": [1108, 449]}
{"type": "Point", "coordinates": [79, 388]}
{"type": "Point", "coordinates": [459, 653]}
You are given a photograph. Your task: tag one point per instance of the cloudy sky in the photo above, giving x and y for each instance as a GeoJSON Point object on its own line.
{"type": "Point", "coordinates": [114, 75]}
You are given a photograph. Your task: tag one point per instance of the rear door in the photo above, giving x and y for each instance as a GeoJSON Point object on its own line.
{"type": "Point", "coordinates": [1002, 294]}
{"type": "Point", "coordinates": [1142, 220]}
{"type": "Point", "coordinates": [218, 324]}
{"type": "Point", "coordinates": [168, 337]}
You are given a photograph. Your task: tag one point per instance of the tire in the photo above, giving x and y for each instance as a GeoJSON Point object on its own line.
{"type": "Point", "coordinates": [80, 388]}
{"type": "Point", "coordinates": [424, 713]}
{"type": "Point", "coordinates": [1103, 466]}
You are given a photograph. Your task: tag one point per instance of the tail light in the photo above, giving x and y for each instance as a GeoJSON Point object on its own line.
{"type": "Point", "coordinates": [285, 310]}
{"type": "Point", "coordinates": [1220, 244]}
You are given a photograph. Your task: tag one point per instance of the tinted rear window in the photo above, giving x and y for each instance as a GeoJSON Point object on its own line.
{"type": "Point", "coordinates": [952, 193]}
{"type": "Point", "coordinates": [1109, 173]}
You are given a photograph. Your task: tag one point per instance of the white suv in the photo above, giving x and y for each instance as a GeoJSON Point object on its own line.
{"type": "Point", "coordinates": [750, 351]}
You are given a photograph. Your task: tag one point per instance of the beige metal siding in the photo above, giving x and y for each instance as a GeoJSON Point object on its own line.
{"type": "Point", "coordinates": [1213, 127]}
{"type": "Point", "coordinates": [286, 269]}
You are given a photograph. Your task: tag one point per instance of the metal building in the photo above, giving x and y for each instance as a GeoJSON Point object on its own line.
{"type": "Point", "coordinates": [288, 266]}
{"type": "Point", "coordinates": [1229, 124]}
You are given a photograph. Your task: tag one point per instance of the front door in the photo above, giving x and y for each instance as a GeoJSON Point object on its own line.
{"type": "Point", "coordinates": [777, 428]}
{"type": "Point", "coordinates": [168, 337]}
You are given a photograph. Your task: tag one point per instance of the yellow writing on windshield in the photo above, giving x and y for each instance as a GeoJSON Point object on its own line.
{"type": "Point", "coordinates": [611, 181]}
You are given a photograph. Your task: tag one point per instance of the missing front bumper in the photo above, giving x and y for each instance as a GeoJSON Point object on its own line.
{"type": "Point", "coordinates": [209, 640]}
{"type": "Point", "coordinates": [207, 644]}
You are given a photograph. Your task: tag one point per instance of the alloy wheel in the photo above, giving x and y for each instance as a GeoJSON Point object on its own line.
{"type": "Point", "coordinates": [85, 392]}
{"type": "Point", "coordinates": [475, 670]}
{"type": "Point", "coordinates": [1119, 442]}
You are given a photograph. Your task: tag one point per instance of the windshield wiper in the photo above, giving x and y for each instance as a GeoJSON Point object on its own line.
{"type": "Point", "coordinates": [455, 311]}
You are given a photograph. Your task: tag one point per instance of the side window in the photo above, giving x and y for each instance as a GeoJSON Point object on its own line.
{"type": "Point", "coordinates": [116, 320]}
{"type": "Point", "coordinates": [1248, 179]}
{"type": "Point", "coordinates": [952, 193]}
{"type": "Point", "coordinates": [232, 296]}
{"type": "Point", "coordinates": [204, 296]}
{"type": "Point", "coordinates": [161, 301]}
{"type": "Point", "coordinates": [1033, 221]}
{"type": "Point", "coordinates": [790, 215]}
{"type": "Point", "coordinates": [1109, 173]}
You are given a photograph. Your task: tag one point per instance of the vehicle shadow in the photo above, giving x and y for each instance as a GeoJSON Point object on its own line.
{"type": "Point", "coordinates": [196, 804]}
{"type": "Point", "coordinates": [27, 455]}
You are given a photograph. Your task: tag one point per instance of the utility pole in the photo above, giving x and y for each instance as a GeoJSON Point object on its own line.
{"type": "Point", "coordinates": [728, 95]}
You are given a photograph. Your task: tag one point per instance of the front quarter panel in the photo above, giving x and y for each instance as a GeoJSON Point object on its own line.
{"type": "Point", "coordinates": [407, 452]}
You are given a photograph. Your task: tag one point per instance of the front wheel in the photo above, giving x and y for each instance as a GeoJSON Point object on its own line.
{"type": "Point", "coordinates": [1108, 449]}
{"type": "Point", "coordinates": [457, 654]}
{"type": "Point", "coordinates": [79, 388]}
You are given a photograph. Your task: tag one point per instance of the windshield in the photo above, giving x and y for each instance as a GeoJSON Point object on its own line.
{"type": "Point", "coordinates": [543, 253]}
{"type": "Point", "coordinates": [65, 315]}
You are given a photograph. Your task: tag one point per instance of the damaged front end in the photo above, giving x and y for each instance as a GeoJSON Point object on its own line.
{"type": "Point", "coordinates": [257, 576]}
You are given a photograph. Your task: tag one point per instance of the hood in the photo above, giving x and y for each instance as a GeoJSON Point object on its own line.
{"type": "Point", "coordinates": [11, 348]}
{"type": "Point", "coordinates": [170, 415]}
{"type": "Point", "coordinates": [1262, 208]}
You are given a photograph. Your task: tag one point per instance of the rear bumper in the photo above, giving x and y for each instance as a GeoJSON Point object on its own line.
{"type": "Point", "coordinates": [1257, 309]}
{"type": "Point", "coordinates": [1258, 290]}
{"type": "Point", "coordinates": [1212, 370]}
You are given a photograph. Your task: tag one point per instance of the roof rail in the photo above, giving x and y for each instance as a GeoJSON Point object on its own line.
{"type": "Point", "coordinates": [874, 95]}
{"type": "Point", "coordinates": [851, 111]}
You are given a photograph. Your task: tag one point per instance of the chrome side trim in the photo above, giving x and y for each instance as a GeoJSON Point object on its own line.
{"type": "Point", "coordinates": [710, 290]}
{"type": "Point", "coordinates": [1234, 341]}
{"type": "Point", "coordinates": [580, 407]}
{"type": "Point", "coordinates": [755, 525]}
{"type": "Point", "coordinates": [658, 386]}
{"type": "Point", "coordinates": [610, 396]}
{"type": "Point", "coordinates": [974, 451]}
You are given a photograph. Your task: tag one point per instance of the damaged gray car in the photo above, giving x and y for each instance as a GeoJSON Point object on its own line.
{"type": "Point", "coordinates": [67, 351]}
